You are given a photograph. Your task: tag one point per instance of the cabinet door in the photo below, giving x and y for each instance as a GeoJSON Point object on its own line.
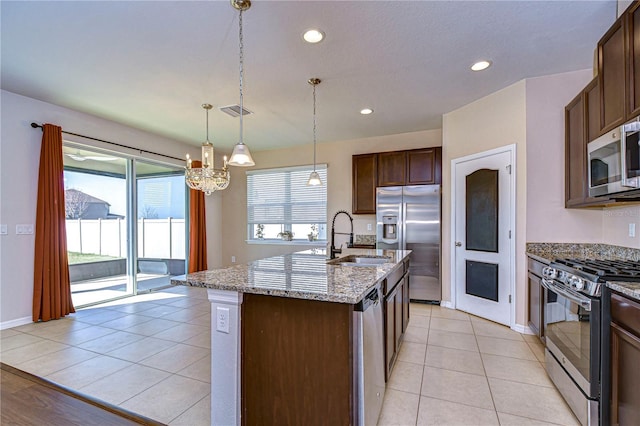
{"type": "Point", "coordinates": [405, 304]}
{"type": "Point", "coordinates": [391, 168]}
{"type": "Point", "coordinates": [364, 175]}
{"type": "Point", "coordinates": [390, 331]}
{"type": "Point", "coordinates": [633, 56]}
{"type": "Point", "coordinates": [575, 153]}
{"type": "Point", "coordinates": [625, 376]}
{"type": "Point", "coordinates": [535, 305]}
{"type": "Point", "coordinates": [424, 166]}
{"type": "Point", "coordinates": [611, 74]}
{"type": "Point", "coordinates": [398, 312]}
{"type": "Point", "coordinates": [592, 109]}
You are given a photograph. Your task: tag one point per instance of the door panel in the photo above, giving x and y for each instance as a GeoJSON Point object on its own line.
{"type": "Point", "coordinates": [483, 259]}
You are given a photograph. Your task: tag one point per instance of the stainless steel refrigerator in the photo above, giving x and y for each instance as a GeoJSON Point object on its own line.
{"type": "Point", "coordinates": [408, 218]}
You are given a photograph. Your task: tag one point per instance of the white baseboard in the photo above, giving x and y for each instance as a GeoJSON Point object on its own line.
{"type": "Point", "coordinates": [447, 304]}
{"type": "Point", "coordinates": [16, 322]}
{"type": "Point", "coordinates": [523, 329]}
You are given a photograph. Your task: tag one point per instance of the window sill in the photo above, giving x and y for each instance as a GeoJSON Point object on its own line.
{"type": "Point", "coordinates": [317, 243]}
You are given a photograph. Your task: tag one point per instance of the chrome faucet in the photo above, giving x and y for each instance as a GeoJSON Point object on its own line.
{"type": "Point", "coordinates": [333, 250]}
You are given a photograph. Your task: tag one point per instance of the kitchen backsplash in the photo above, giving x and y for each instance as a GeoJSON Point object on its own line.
{"type": "Point", "coordinates": [365, 239]}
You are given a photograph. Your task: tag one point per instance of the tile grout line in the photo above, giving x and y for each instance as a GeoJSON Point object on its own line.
{"type": "Point", "coordinates": [495, 409]}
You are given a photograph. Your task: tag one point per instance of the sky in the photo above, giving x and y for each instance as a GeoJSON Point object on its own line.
{"type": "Point", "coordinates": [162, 196]}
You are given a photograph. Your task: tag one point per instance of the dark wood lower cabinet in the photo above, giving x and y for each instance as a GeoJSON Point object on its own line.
{"type": "Point", "coordinates": [621, 360]}
{"type": "Point", "coordinates": [390, 332]}
{"type": "Point", "coordinates": [536, 297]}
{"type": "Point", "coordinates": [291, 349]}
{"type": "Point", "coordinates": [396, 321]}
{"type": "Point", "coordinates": [625, 376]}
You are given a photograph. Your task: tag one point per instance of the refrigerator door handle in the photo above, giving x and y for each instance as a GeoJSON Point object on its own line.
{"type": "Point", "coordinates": [403, 237]}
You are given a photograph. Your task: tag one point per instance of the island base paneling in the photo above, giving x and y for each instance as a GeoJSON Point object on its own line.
{"type": "Point", "coordinates": [297, 361]}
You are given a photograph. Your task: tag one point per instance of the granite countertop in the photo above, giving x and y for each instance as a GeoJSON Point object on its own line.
{"type": "Point", "coordinates": [630, 289]}
{"type": "Point", "coordinates": [548, 252]}
{"type": "Point", "coordinates": [300, 275]}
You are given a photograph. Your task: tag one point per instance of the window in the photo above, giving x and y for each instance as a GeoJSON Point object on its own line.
{"type": "Point", "coordinates": [279, 202]}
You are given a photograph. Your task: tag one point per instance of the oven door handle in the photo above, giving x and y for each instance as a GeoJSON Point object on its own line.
{"type": "Point", "coordinates": [583, 301]}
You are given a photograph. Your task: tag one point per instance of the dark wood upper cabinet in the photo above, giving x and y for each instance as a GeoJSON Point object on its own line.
{"type": "Point", "coordinates": [592, 109]}
{"type": "Point", "coordinates": [364, 179]}
{"type": "Point", "coordinates": [392, 168]}
{"type": "Point", "coordinates": [424, 166]}
{"type": "Point", "coordinates": [575, 153]}
{"type": "Point", "coordinates": [611, 75]}
{"type": "Point", "coordinates": [633, 55]}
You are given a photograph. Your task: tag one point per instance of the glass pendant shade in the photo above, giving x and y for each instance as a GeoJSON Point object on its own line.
{"type": "Point", "coordinates": [241, 156]}
{"type": "Point", "coordinates": [314, 179]}
{"type": "Point", "coordinates": [207, 154]}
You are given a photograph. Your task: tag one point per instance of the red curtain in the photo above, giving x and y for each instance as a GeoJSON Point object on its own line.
{"type": "Point", "coordinates": [197, 229]}
{"type": "Point", "coordinates": [51, 285]}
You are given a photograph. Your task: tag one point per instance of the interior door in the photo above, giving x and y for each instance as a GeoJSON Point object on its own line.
{"type": "Point", "coordinates": [483, 197]}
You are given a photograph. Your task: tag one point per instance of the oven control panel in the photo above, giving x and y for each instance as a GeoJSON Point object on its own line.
{"type": "Point", "coordinates": [571, 280]}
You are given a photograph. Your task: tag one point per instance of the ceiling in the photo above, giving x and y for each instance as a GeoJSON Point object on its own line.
{"type": "Point", "coordinates": [151, 65]}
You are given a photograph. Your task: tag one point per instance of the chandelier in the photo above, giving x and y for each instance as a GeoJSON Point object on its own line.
{"type": "Point", "coordinates": [207, 178]}
{"type": "Point", "coordinates": [314, 177]}
{"type": "Point", "coordinates": [241, 155]}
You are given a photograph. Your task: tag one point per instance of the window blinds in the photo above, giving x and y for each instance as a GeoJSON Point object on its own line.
{"type": "Point", "coordinates": [281, 196]}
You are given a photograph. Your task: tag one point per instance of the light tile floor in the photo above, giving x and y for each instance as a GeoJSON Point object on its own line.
{"type": "Point", "coordinates": [150, 354]}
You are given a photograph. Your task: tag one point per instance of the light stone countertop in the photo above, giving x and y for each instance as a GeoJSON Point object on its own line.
{"type": "Point", "coordinates": [300, 275]}
{"type": "Point", "coordinates": [630, 289]}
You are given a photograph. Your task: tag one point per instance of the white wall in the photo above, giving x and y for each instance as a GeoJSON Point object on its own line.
{"type": "Point", "coordinates": [529, 114]}
{"type": "Point", "coordinates": [494, 121]}
{"type": "Point", "coordinates": [337, 155]}
{"type": "Point", "coordinates": [547, 219]}
{"type": "Point", "coordinates": [19, 159]}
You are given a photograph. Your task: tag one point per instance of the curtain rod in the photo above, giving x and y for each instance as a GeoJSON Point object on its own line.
{"type": "Point", "coordinates": [39, 126]}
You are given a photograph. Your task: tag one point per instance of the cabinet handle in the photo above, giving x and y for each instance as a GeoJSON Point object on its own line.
{"type": "Point", "coordinates": [458, 244]}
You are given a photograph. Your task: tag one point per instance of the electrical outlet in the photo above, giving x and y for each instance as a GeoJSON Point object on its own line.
{"type": "Point", "coordinates": [233, 259]}
{"type": "Point", "coordinates": [4, 230]}
{"type": "Point", "coordinates": [368, 227]}
{"type": "Point", "coordinates": [24, 229]}
{"type": "Point", "coordinates": [632, 229]}
{"type": "Point", "coordinates": [222, 320]}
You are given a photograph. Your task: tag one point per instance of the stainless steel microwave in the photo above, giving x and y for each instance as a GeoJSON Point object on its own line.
{"type": "Point", "coordinates": [614, 161]}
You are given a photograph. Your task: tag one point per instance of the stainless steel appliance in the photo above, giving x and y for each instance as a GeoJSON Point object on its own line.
{"type": "Point", "coordinates": [369, 360]}
{"type": "Point", "coordinates": [614, 161]}
{"type": "Point", "coordinates": [408, 218]}
{"type": "Point", "coordinates": [572, 320]}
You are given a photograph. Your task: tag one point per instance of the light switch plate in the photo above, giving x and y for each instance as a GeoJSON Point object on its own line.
{"type": "Point", "coordinates": [632, 229]}
{"type": "Point", "coordinates": [24, 229]}
{"type": "Point", "coordinates": [4, 230]}
{"type": "Point", "coordinates": [368, 227]}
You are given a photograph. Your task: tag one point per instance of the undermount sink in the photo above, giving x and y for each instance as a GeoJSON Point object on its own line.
{"type": "Point", "coordinates": [353, 260]}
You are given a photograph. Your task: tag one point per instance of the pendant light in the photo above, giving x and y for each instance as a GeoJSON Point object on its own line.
{"type": "Point", "coordinates": [314, 177]}
{"type": "Point", "coordinates": [207, 178]}
{"type": "Point", "coordinates": [241, 155]}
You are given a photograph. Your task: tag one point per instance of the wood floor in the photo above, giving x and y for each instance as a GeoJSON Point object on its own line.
{"type": "Point", "coordinates": [29, 400]}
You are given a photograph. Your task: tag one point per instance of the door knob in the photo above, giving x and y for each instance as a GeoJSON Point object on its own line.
{"type": "Point", "coordinates": [458, 244]}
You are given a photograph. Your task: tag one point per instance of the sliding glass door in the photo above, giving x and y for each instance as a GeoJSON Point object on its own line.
{"type": "Point", "coordinates": [161, 224]}
{"type": "Point", "coordinates": [125, 224]}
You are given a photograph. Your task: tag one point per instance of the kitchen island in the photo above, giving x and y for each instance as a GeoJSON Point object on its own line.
{"type": "Point", "coordinates": [283, 331]}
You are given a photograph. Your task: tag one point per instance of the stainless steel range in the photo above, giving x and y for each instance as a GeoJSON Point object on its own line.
{"type": "Point", "coordinates": [572, 318]}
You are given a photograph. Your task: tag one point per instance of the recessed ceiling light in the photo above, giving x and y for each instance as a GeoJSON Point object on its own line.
{"type": "Point", "coordinates": [366, 111]}
{"type": "Point", "coordinates": [481, 65]}
{"type": "Point", "coordinates": [313, 36]}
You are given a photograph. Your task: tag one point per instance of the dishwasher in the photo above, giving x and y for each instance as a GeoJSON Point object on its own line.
{"type": "Point", "coordinates": [368, 368]}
